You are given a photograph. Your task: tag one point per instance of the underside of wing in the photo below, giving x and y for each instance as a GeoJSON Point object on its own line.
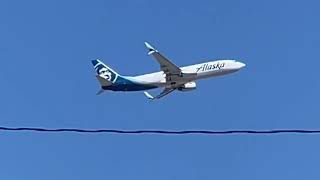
{"type": "Point", "coordinates": [165, 64]}
{"type": "Point", "coordinates": [165, 92]}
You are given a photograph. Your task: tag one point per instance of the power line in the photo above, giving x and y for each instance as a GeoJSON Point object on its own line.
{"type": "Point", "coordinates": [208, 132]}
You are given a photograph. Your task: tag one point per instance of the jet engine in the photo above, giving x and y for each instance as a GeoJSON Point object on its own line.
{"type": "Point", "coordinates": [188, 86]}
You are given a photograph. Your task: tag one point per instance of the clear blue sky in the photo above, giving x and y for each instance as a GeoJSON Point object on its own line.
{"type": "Point", "coordinates": [47, 81]}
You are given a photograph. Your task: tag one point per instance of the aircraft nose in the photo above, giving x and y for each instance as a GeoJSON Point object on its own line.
{"type": "Point", "coordinates": [241, 64]}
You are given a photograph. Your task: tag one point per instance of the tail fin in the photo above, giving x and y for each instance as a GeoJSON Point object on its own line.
{"type": "Point", "coordinates": [105, 75]}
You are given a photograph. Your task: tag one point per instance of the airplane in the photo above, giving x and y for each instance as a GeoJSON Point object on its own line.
{"type": "Point", "coordinates": [170, 78]}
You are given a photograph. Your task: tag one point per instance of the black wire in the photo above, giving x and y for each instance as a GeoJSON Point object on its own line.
{"type": "Point", "coordinates": [300, 131]}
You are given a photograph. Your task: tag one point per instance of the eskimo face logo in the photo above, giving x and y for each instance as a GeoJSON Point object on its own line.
{"type": "Point", "coordinates": [105, 73]}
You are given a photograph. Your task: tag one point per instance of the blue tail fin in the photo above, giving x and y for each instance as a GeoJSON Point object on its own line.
{"type": "Point", "coordinates": [104, 72]}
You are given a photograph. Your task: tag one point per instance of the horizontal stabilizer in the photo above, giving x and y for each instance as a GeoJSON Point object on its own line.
{"type": "Point", "coordinates": [100, 92]}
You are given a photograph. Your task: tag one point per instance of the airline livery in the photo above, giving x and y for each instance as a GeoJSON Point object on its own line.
{"type": "Point", "coordinates": [170, 78]}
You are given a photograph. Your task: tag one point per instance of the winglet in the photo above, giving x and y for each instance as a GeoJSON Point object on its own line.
{"type": "Point", "coordinates": [150, 48]}
{"type": "Point", "coordinates": [148, 95]}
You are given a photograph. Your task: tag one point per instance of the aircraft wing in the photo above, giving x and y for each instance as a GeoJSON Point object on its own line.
{"type": "Point", "coordinates": [165, 64]}
{"type": "Point", "coordinates": [165, 92]}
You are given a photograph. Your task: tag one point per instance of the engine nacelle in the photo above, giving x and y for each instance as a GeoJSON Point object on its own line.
{"type": "Point", "coordinates": [188, 86]}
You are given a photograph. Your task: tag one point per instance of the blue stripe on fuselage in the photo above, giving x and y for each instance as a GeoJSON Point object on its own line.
{"type": "Point", "coordinates": [123, 84]}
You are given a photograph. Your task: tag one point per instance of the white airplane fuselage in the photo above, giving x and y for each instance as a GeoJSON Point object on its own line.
{"type": "Point", "coordinates": [200, 71]}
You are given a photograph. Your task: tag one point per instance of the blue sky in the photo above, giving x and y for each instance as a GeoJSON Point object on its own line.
{"type": "Point", "coordinates": [47, 81]}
